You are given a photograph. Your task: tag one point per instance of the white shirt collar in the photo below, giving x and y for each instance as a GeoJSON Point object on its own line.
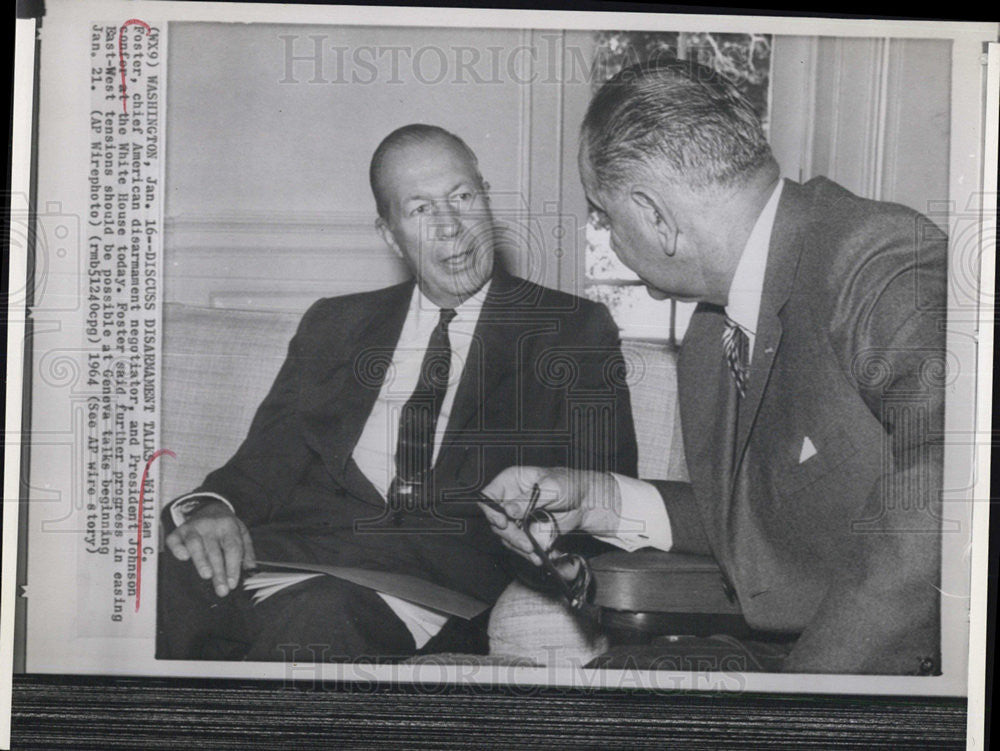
{"type": "Point", "coordinates": [469, 308]}
{"type": "Point", "coordinates": [747, 286]}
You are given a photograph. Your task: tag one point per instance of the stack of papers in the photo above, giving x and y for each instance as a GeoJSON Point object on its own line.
{"type": "Point", "coordinates": [402, 586]}
{"type": "Point", "coordinates": [266, 583]}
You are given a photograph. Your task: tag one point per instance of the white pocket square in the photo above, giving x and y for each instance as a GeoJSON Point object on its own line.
{"type": "Point", "coordinates": [807, 451]}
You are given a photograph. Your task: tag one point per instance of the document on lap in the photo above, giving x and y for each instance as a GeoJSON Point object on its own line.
{"type": "Point", "coordinates": [405, 587]}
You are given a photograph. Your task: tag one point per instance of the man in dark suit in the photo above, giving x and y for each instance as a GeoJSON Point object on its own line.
{"type": "Point", "coordinates": [392, 410]}
{"type": "Point", "coordinates": [810, 378]}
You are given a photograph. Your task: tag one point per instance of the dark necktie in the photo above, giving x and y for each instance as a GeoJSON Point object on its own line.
{"type": "Point", "coordinates": [736, 345]}
{"type": "Point", "coordinates": [418, 419]}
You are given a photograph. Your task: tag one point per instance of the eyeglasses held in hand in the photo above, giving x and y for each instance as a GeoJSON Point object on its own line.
{"type": "Point", "coordinates": [576, 591]}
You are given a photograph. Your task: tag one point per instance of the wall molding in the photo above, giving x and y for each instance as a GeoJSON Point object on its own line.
{"type": "Point", "coordinates": [328, 230]}
{"type": "Point", "coordinates": [264, 260]}
{"type": "Point", "coordinates": [874, 163]}
{"type": "Point", "coordinates": [870, 128]}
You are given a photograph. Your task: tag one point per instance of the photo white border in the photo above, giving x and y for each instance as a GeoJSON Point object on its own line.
{"type": "Point", "coordinates": [968, 165]}
{"type": "Point", "coordinates": [980, 562]}
{"type": "Point", "coordinates": [20, 184]}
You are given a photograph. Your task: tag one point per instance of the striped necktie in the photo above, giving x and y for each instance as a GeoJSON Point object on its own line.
{"type": "Point", "coordinates": [736, 346]}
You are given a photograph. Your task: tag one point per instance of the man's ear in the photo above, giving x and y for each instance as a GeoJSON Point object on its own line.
{"type": "Point", "coordinates": [383, 229]}
{"type": "Point", "coordinates": [657, 218]}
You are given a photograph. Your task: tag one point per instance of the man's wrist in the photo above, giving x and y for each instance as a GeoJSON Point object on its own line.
{"type": "Point", "coordinates": [183, 508]}
{"type": "Point", "coordinates": [642, 517]}
{"type": "Point", "coordinates": [208, 506]}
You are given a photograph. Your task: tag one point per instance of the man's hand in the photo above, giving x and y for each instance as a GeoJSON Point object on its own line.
{"type": "Point", "coordinates": [217, 543]}
{"type": "Point", "coordinates": [576, 499]}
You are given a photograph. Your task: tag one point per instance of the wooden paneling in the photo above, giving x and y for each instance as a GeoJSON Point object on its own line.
{"type": "Point", "coordinates": [269, 205]}
{"type": "Point", "coordinates": [870, 114]}
{"type": "Point", "coordinates": [847, 130]}
{"type": "Point", "coordinates": [577, 90]}
{"type": "Point", "coordinates": [793, 103]}
{"type": "Point", "coordinates": [260, 261]}
{"type": "Point", "coordinates": [918, 107]}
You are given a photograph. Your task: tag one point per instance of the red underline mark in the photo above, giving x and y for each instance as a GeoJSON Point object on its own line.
{"type": "Point", "coordinates": [121, 54]}
{"type": "Point", "coordinates": [138, 538]}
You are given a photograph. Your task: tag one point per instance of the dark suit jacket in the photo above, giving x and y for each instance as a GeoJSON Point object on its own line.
{"type": "Point", "coordinates": [843, 547]}
{"type": "Point", "coordinates": [543, 384]}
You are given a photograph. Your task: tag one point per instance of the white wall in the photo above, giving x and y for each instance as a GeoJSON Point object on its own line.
{"type": "Point", "coordinates": [870, 114]}
{"type": "Point", "coordinates": [268, 204]}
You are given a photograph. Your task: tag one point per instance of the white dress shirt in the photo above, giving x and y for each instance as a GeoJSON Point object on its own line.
{"type": "Point", "coordinates": [644, 520]}
{"type": "Point", "coordinates": [375, 452]}
{"type": "Point", "coordinates": [376, 448]}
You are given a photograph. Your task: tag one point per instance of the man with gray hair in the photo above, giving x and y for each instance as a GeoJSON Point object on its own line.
{"type": "Point", "coordinates": [810, 378]}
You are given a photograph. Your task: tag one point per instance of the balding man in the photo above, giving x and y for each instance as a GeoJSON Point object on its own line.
{"type": "Point", "coordinates": [810, 378]}
{"type": "Point", "coordinates": [392, 409]}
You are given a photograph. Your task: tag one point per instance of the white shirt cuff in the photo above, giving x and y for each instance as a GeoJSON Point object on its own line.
{"type": "Point", "coordinates": [181, 508]}
{"type": "Point", "coordinates": [643, 522]}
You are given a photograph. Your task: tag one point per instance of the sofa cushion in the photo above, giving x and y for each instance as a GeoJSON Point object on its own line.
{"type": "Point", "coordinates": [217, 367]}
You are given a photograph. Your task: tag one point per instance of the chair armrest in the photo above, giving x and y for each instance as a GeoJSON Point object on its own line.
{"type": "Point", "coordinates": [652, 581]}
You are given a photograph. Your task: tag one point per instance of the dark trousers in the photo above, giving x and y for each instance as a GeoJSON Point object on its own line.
{"type": "Point", "coordinates": [323, 619]}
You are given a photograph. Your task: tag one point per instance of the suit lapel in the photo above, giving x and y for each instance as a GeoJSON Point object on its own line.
{"type": "Point", "coordinates": [340, 396]}
{"type": "Point", "coordinates": [783, 257]}
{"type": "Point", "coordinates": [705, 389]}
{"type": "Point", "coordinates": [491, 360]}
{"type": "Point", "coordinates": [699, 371]}
{"type": "Point", "coordinates": [706, 397]}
